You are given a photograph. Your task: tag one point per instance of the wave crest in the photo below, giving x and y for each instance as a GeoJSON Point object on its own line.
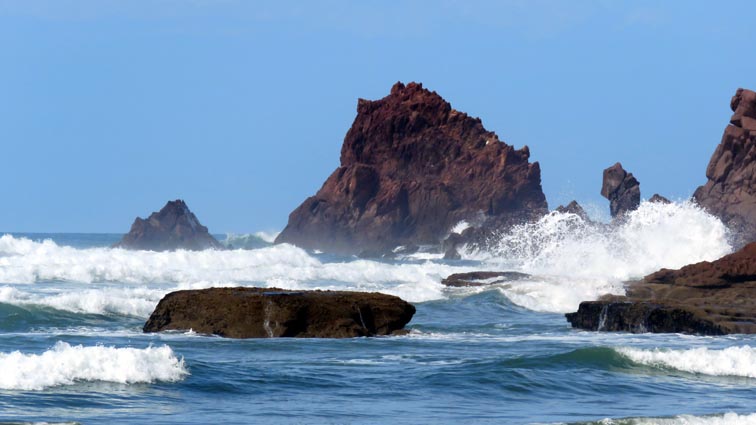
{"type": "Point", "coordinates": [65, 364]}
{"type": "Point", "coordinates": [731, 361]}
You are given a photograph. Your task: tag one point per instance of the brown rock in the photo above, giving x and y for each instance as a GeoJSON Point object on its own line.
{"type": "Point", "coordinates": [482, 278]}
{"type": "Point", "coordinates": [621, 189]}
{"type": "Point", "coordinates": [710, 298]}
{"type": "Point", "coordinates": [730, 192]}
{"type": "Point", "coordinates": [411, 168]}
{"type": "Point", "coordinates": [173, 227]}
{"type": "Point", "coordinates": [273, 312]}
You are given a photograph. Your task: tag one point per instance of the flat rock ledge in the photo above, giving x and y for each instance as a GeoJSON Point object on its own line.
{"type": "Point", "coordinates": [482, 278]}
{"type": "Point", "coordinates": [272, 312]}
{"type": "Point", "coordinates": [706, 298]}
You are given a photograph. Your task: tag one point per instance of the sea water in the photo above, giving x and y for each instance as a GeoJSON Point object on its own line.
{"type": "Point", "coordinates": [72, 350]}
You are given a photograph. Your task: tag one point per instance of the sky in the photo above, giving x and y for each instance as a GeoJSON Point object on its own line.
{"type": "Point", "coordinates": [108, 109]}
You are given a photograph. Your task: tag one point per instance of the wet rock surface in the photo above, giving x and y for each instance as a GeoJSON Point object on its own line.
{"type": "Point", "coordinates": [730, 192]}
{"type": "Point", "coordinates": [707, 298]}
{"type": "Point", "coordinates": [622, 190]}
{"type": "Point", "coordinates": [173, 227]}
{"type": "Point", "coordinates": [412, 167]}
{"type": "Point", "coordinates": [272, 312]}
{"type": "Point", "coordinates": [482, 278]}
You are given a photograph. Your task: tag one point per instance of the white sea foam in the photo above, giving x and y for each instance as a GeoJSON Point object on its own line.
{"type": "Point", "coordinates": [26, 261]}
{"type": "Point", "coordinates": [137, 302]}
{"type": "Point", "coordinates": [573, 260]}
{"type": "Point", "coordinates": [655, 235]}
{"type": "Point", "coordinates": [725, 419]}
{"type": "Point", "coordinates": [732, 361]}
{"type": "Point", "coordinates": [65, 364]}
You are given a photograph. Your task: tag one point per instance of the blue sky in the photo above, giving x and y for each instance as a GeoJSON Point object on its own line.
{"type": "Point", "coordinates": [109, 108]}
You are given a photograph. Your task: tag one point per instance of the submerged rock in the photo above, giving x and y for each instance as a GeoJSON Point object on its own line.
{"type": "Point", "coordinates": [707, 298]}
{"type": "Point", "coordinates": [482, 278]}
{"type": "Point", "coordinates": [273, 312]}
{"type": "Point", "coordinates": [411, 169]}
{"type": "Point", "coordinates": [730, 192]}
{"type": "Point", "coordinates": [173, 227]}
{"type": "Point", "coordinates": [621, 189]}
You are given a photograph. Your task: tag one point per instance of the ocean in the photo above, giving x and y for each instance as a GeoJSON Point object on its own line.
{"type": "Point", "coordinates": [72, 349]}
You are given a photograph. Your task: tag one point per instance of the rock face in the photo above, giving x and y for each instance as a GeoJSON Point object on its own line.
{"type": "Point", "coordinates": [573, 208]}
{"type": "Point", "coordinates": [659, 199]}
{"type": "Point", "coordinates": [730, 192]}
{"type": "Point", "coordinates": [482, 278]}
{"type": "Point", "coordinates": [621, 189]}
{"type": "Point", "coordinates": [709, 298]}
{"type": "Point", "coordinates": [411, 168]}
{"type": "Point", "coordinates": [272, 312]}
{"type": "Point", "coordinates": [173, 227]}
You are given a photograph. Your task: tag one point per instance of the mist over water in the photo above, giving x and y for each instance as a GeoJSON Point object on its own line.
{"type": "Point", "coordinates": [71, 311]}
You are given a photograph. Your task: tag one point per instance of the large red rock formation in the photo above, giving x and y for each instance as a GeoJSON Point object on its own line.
{"type": "Point", "coordinates": [730, 192]}
{"type": "Point", "coordinates": [411, 168]}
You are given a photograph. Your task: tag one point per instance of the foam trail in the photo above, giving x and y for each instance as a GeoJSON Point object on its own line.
{"type": "Point", "coordinates": [65, 364]}
{"type": "Point", "coordinates": [732, 361]}
{"type": "Point", "coordinates": [729, 418]}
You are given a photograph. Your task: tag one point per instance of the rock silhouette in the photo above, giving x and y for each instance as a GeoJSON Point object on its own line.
{"type": "Point", "coordinates": [621, 189]}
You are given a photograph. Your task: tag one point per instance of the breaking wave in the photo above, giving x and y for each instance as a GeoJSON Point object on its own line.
{"type": "Point", "coordinates": [654, 236]}
{"type": "Point", "coordinates": [65, 364]}
{"type": "Point", "coordinates": [732, 361]}
{"type": "Point", "coordinates": [729, 418]}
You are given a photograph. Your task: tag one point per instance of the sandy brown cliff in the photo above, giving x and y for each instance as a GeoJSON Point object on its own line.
{"type": "Point", "coordinates": [411, 168]}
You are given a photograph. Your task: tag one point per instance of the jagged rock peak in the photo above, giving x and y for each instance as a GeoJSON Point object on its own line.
{"type": "Point", "coordinates": [622, 190]}
{"type": "Point", "coordinates": [173, 227]}
{"type": "Point", "coordinates": [411, 168]}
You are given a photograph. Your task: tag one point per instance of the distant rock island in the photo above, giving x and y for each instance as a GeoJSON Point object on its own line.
{"type": "Point", "coordinates": [730, 192]}
{"type": "Point", "coordinates": [622, 190]}
{"type": "Point", "coordinates": [173, 227]}
{"type": "Point", "coordinates": [412, 167]}
{"type": "Point", "coordinates": [272, 312]}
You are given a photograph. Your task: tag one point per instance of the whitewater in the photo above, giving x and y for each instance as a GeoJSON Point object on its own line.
{"type": "Point", "coordinates": [72, 308]}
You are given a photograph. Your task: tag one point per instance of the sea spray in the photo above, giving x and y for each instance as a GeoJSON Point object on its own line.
{"type": "Point", "coordinates": [65, 364]}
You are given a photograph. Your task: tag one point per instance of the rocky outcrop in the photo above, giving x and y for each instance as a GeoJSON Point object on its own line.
{"type": "Point", "coordinates": [573, 208]}
{"type": "Point", "coordinates": [621, 189]}
{"type": "Point", "coordinates": [730, 192]}
{"type": "Point", "coordinates": [272, 312]}
{"type": "Point", "coordinates": [482, 278]}
{"type": "Point", "coordinates": [659, 199]}
{"type": "Point", "coordinates": [411, 168]}
{"type": "Point", "coordinates": [708, 298]}
{"type": "Point", "coordinates": [173, 227]}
